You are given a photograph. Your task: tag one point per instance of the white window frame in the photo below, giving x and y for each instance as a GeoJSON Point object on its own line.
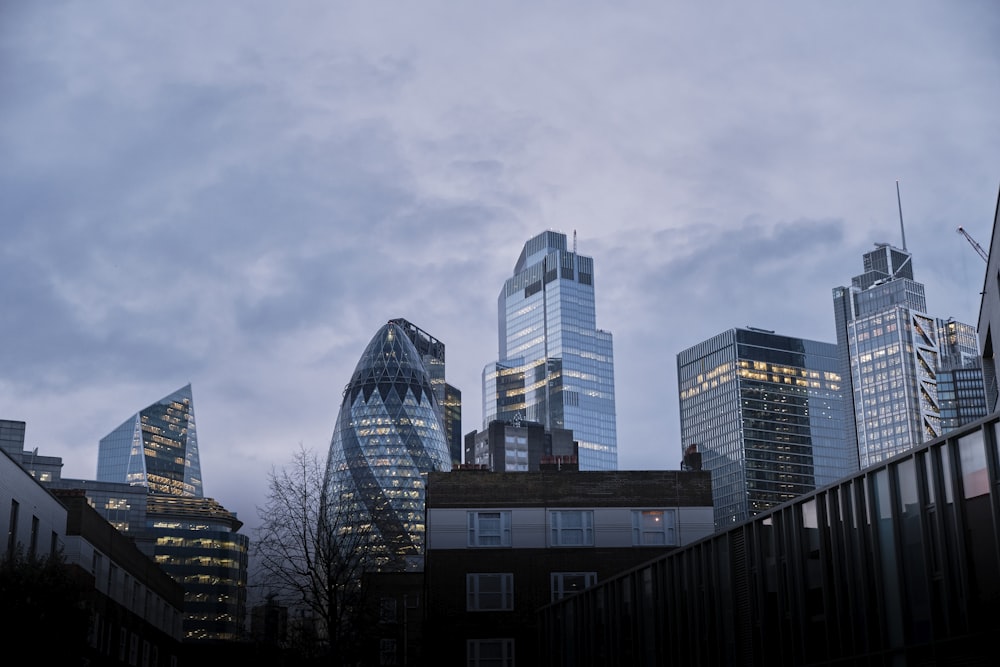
{"type": "Point", "coordinates": [475, 658]}
{"type": "Point", "coordinates": [645, 535]}
{"type": "Point", "coordinates": [475, 597]}
{"type": "Point", "coordinates": [480, 535]}
{"type": "Point", "coordinates": [558, 580]}
{"type": "Point", "coordinates": [561, 530]}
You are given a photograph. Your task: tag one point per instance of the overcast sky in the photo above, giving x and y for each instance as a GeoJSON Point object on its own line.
{"type": "Point", "coordinates": [238, 195]}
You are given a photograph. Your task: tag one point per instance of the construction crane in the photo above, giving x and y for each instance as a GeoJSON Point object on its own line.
{"type": "Point", "coordinates": [979, 248]}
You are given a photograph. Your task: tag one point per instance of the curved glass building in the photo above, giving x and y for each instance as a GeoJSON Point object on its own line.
{"type": "Point", "coordinates": [387, 438]}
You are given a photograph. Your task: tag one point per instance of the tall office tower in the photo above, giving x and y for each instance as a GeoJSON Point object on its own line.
{"type": "Point", "coordinates": [449, 398]}
{"type": "Point", "coordinates": [555, 366]}
{"type": "Point", "coordinates": [891, 351]}
{"type": "Point", "coordinates": [194, 538]}
{"type": "Point", "coordinates": [387, 438]}
{"type": "Point", "coordinates": [767, 414]}
{"type": "Point", "coordinates": [156, 447]}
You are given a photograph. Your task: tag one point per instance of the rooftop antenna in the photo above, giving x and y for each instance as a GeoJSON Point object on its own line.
{"type": "Point", "coordinates": [902, 231]}
{"type": "Point", "coordinates": [574, 241]}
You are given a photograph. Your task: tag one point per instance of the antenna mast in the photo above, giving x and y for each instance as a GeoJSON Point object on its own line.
{"type": "Point", "coordinates": [900, 203]}
{"type": "Point", "coordinates": [574, 241]}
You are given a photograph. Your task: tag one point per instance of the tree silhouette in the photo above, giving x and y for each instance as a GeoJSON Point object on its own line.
{"type": "Point", "coordinates": [311, 556]}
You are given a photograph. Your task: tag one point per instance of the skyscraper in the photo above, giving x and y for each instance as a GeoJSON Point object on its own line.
{"type": "Point", "coordinates": [449, 398]}
{"type": "Point", "coordinates": [767, 415]}
{"type": "Point", "coordinates": [194, 539]}
{"type": "Point", "coordinates": [388, 436]}
{"type": "Point", "coordinates": [891, 352]}
{"type": "Point", "coordinates": [555, 366]}
{"type": "Point", "coordinates": [156, 447]}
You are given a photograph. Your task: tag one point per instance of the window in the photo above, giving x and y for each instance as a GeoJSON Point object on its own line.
{"type": "Point", "coordinates": [12, 528]}
{"type": "Point", "coordinates": [33, 543]}
{"type": "Point", "coordinates": [387, 610]}
{"type": "Point", "coordinates": [489, 591]}
{"type": "Point", "coordinates": [489, 529]}
{"type": "Point", "coordinates": [653, 527]}
{"type": "Point", "coordinates": [571, 528]}
{"type": "Point", "coordinates": [490, 652]}
{"type": "Point", "coordinates": [387, 651]}
{"type": "Point", "coordinates": [567, 583]}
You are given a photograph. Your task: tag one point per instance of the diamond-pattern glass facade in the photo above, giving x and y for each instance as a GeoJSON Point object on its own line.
{"type": "Point", "coordinates": [388, 436]}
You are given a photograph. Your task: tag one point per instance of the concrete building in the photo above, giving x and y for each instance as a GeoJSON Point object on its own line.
{"type": "Point", "coordinates": [989, 316]}
{"type": "Point", "coordinates": [501, 545]}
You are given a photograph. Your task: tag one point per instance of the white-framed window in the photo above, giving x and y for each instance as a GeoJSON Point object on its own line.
{"type": "Point", "coordinates": [653, 527]}
{"type": "Point", "coordinates": [571, 528]}
{"type": "Point", "coordinates": [567, 583]}
{"type": "Point", "coordinates": [489, 591]}
{"type": "Point", "coordinates": [490, 652]}
{"type": "Point", "coordinates": [489, 528]}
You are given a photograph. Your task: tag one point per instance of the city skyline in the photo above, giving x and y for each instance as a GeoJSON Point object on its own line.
{"type": "Point", "coordinates": [235, 200]}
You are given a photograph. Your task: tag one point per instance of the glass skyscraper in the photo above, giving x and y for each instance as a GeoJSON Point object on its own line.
{"type": "Point", "coordinates": [555, 366]}
{"type": "Point", "coordinates": [767, 415]}
{"type": "Point", "coordinates": [193, 538]}
{"type": "Point", "coordinates": [388, 436]}
{"type": "Point", "coordinates": [891, 353]}
{"type": "Point", "coordinates": [156, 447]}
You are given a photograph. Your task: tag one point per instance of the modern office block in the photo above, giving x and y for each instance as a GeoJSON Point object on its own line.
{"type": "Point", "coordinates": [388, 436]}
{"type": "Point", "coordinates": [555, 366]}
{"type": "Point", "coordinates": [897, 564]}
{"type": "Point", "coordinates": [193, 538]}
{"type": "Point", "coordinates": [156, 447]}
{"type": "Point", "coordinates": [766, 413]}
{"type": "Point", "coordinates": [198, 543]}
{"type": "Point", "coordinates": [891, 352]}
{"type": "Point", "coordinates": [449, 398]}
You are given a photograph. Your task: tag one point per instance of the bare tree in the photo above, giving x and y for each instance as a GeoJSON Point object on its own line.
{"type": "Point", "coordinates": [312, 555]}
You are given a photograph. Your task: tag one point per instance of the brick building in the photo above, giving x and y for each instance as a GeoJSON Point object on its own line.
{"type": "Point", "coordinates": [502, 545]}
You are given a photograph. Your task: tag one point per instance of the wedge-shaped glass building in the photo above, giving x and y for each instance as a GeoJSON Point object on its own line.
{"type": "Point", "coordinates": [156, 447]}
{"type": "Point", "coordinates": [387, 438]}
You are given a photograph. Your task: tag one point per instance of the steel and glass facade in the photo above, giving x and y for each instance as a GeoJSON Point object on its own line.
{"type": "Point", "coordinates": [767, 414]}
{"type": "Point", "coordinates": [895, 565]}
{"type": "Point", "coordinates": [555, 366]}
{"type": "Point", "coordinates": [891, 354]}
{"type": "Point", "coordinates": [156, 448]}
{"type": "Point", "coordinates": [388, 436]}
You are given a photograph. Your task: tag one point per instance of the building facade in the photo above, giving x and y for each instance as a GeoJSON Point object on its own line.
{"type": "Point", "coordinates": [502, 545]}
{"type": "Point", "coordinates": [989, 316]}
{"type": "Point", "coordinates": [156, 447]}
{"type": "Point", "coordinates": [193, 538]}
{"type": "Point", "coordinates": [767, 415]}
{"type": "Point", "coordinates": [555, 366]}
{"type": "Point", "coordinates": [449, 398]}
{"type": "Point", "coordinates": [387, 438]}
{"type": "Point", "coordinates": [519, 446]}
{"type": "Point", "coordinates": [891, 352]}
{"type": "Point", "coordinates": [897, 564]}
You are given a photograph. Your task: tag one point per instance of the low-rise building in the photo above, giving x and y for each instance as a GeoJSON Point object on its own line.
{"type": "Point", "coordinates": [502, 545]}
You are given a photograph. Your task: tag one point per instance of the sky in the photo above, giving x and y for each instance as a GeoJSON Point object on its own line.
{"type": "Point", "coordinates": [237, 195]}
